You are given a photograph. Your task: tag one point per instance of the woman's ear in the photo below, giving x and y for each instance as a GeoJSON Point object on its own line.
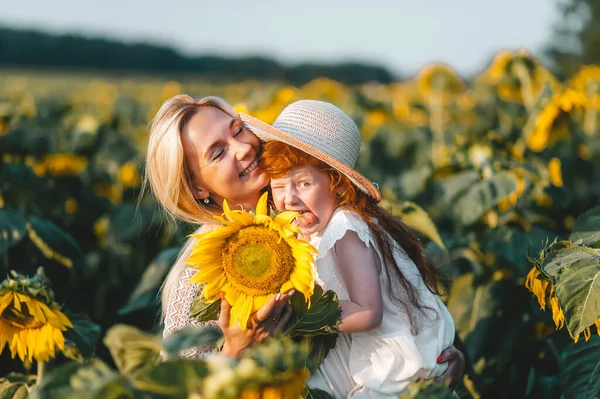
{"type": "Point", "coordinates": [199, 193]}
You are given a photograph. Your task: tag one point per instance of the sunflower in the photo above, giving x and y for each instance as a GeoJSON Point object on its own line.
{"type": "Point", "coordinates": [251, 258]}
{"type": "Point", "coordinates": [31, 323]}
{"type": "Point", "coordinates": [439, 79]}
{"type": "Point", "coordinates": [543, 289]}
{"type": "Point", "coordinates": [552, 123]}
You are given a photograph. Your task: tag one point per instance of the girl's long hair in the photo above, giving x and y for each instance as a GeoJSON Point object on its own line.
{"type": "Point", "coordinates": [278, 159]}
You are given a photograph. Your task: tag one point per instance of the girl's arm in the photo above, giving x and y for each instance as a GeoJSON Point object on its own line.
{"type": "Point", "coordinates": [359, 268]}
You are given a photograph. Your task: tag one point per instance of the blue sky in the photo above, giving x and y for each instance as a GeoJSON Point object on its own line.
{"type": "Point", "coordinates": [401, 35]}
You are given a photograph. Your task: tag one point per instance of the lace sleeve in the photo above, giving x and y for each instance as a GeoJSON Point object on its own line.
{"type": "Point", "coordinates": [178, 314]}
{"type": "Point", "coordinates": [179, 295]}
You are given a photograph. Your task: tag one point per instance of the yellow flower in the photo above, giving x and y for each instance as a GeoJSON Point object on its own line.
{"type": "Point", "coordinates": [31, 323]}
{"type": "Point", "coordinates": [251, 258]}
{"type": "Point", "coordinates": [71, 206]}
{"type": "Point", "coordinates": [555, 172]}
{"type": "Point", "coordinates": [587, 80]}
{"type": "Point", "coordinates": [557, 314]}
{"type": "Point", "coordinates": [438, 79]}
{"type": "Point", "coordinates": [551, 124]}
{"type": "Point", "coordinates": [61, 164]}
{"type": "Point", "coordinates": [128, 175]}
{"type": "Point", "coordinates": [538, 286]}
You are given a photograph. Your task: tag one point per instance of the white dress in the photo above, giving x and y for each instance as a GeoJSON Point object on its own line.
{"type": "Point", "coordinates": [380, 364]}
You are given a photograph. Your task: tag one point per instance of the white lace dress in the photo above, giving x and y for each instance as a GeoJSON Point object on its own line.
{"type": "Point", "coordinates": [380, 364]}
{"type": "Point", "coordinates": [177, 315]}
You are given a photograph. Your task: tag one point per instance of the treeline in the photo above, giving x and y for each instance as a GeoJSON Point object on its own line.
{"type": "Point", "coordinates": [35, 49]}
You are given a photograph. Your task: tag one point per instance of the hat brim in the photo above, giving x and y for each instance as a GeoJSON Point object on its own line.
{"type": "Point", "coordinates": [266, 132]}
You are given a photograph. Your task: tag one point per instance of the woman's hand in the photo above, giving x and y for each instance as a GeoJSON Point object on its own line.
{"type": "Point", "coordinates": [268, 321]}
{"type": "Point", "coordinates": [456, 366]}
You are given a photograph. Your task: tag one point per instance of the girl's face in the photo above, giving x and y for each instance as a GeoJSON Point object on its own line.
{"type": "Point", "coordinates": [223, 159]}
{"type": "Point", "coordinates": [305, 190]}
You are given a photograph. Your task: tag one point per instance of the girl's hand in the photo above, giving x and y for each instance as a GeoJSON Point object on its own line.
{"type": "Point", "coordinates": [268, 321]}
{"type": "Point", "coordinates": [456, 366]}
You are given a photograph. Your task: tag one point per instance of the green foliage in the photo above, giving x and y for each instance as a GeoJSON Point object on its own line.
{"type": "Point", "coordinates": [580, 371]}
{"type": "Point", "coordinates": [586, 231]}
{"type": "Point", "coordinates": [189, 337]}
{"type": "Point", "coordinates": [12, 229]}
{"type": "Point", "coordinates": [14, 386]}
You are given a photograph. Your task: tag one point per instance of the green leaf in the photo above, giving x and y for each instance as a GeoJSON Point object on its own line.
{"type": "Point", "coordinates": [580, 369]}
{"type": "Point", "coordinates": [93, 379]}
{"type": "Point", "coordinates": [190, 337]}
{"type": "Point", "coordinates": [415, 217]}
{"type": "Point", "coordinates": [481, 197]}
{"type": "Point", "coordinates": [323, 317]}
{"type": "Point", "coordinates": [81, 340]}
{"type": "Point", "coordinates": [55, 243]}
{"type": "Point", "coordinates": [12, 228]}
{"type": "Point", "coordinates": [202, 311]}
{"type": "Point", "coordinates": [171, 379]}
{"type": "Point", "coordinates": [317, 346]}
{"type": "Point", "coordinates": [513, 244]}
{"type": "Point", "coordinates": [315, 393]}
{"type": "Point", "coordinates": [578, 292]}
{"type": "Point", "coordinates": [586, 230]}
{"type": "Point", "coordinates": [132, 349]}
{"type": "Point", "coordinates": [146, 292]}
{"type": "Point", "coordinates": [14, 386]}
{"type": "Point", "coordinates": [128, 223]}
{"type": "Point", "coordinates": [555, 261]}
{"type": "Point", "coordinates": [452, 186]}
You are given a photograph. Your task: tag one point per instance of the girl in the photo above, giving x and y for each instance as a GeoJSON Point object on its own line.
{"type": "Point", "coordinates": [393, 324]}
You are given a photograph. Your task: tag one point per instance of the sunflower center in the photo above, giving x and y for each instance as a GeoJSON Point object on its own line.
{"type": "Point", "coordinates": [257, 261]}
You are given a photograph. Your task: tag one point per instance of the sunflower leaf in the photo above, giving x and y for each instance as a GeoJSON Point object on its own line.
{"type": "Point", "coordinates": [578, 293]}
{"type": "Point", "coordinates": [315, 393]}
{"type": "Point", "coordinates": [555, 261]}
{"type": "Point", "coordinates": [74, 380]}
{"type": "Point", "coordinates": [172, 378]}
{"type": "Point", "coordinates": [190, 337]}
{"type": "Point", "coordinates": [81, 340]}
{"type": "Point", "coordinates": [12, 229]}
{"type": "Point", "coordinates": [132, 349]}
{"type": "Point", "coordinates": [323, 317]}
{"type": "Point", "coordinates": [586, 230]}
{"type": "Point", "coordinates": [202, 311]}
{"type": "Point", "coordinates": [145, 295]}
{"type": "Point", "coordinates": [14, 386]}
{"type": "Point", "coordinates": [481, 197]}
{"type": "Point", "coordinates": [580, 369]}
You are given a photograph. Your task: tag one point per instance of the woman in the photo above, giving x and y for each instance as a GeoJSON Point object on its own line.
{"type": "Point", "coordinates": [199, 153]}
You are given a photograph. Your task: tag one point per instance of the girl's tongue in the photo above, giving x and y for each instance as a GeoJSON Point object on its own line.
{"type": "Point", "coordinates": [305, 219]}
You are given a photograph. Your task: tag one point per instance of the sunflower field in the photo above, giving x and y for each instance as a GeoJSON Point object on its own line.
{"type": "Point", "coordinates": [499, 174]}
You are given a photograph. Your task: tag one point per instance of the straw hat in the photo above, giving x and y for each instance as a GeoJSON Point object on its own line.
{"type": "Point", "coordinates": [322, 130]}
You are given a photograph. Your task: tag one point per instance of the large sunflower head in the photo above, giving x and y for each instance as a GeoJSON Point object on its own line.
{"type": "Point", "coordinates": [31, 323]}
{"type": "Point", "coordinates": [252, 257]}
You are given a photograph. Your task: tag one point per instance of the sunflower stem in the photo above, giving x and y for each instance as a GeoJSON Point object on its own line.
{"type": "Point", "coordinates": [41, 367]}
{"type": "Point", "coordinates": [436, 124]}
{"type": "Point", "coordinates": [590, 116]}
{"type": "Point", "coordinates": [526, 86]}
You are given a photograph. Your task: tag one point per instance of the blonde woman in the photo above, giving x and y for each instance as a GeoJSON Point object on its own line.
{"type": "Point", "coordinates": [200, 153]}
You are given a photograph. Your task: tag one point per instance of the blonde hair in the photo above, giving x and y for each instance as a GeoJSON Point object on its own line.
{"type": "Point", "coordinates": [166, 167]}
{"type": "Point", "coordinates": [169, 177]}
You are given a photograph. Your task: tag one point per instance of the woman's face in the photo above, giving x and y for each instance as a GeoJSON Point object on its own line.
{"type": "Point", "coordinates": [223, 159]}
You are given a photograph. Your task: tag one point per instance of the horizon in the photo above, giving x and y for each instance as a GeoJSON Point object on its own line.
{"type": "Point", "coordinates": [443, 33]}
